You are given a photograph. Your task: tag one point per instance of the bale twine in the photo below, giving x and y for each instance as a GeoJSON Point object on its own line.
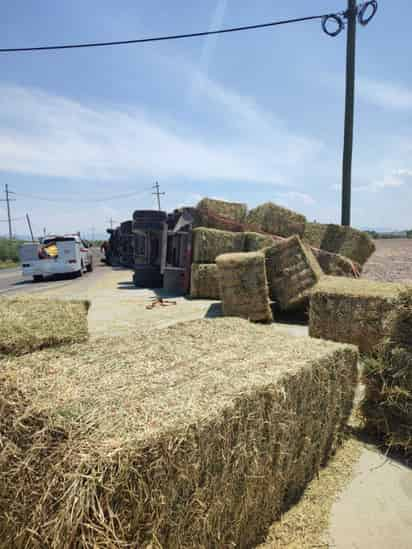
{"type": "Point", "coordinates": [204, 281]}
{"type": "Point", "coordinates": [243, 286]}
{"type": "Point", "coordinates": [292, 272]}
{"type": "Point", "coordinates": [352, 311]}
{"type": "Point", "coordinates": [198, 436]}
{"type": "Point", "coordinates": [277, 220]}
{"type": "Point", "coordinates": [209, 243]}
{"type": "Point", "coordinates": [346, 241]}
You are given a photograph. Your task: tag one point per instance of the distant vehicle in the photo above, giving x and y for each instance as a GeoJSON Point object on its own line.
{"type": "Point", "coordinates": [53, 254]}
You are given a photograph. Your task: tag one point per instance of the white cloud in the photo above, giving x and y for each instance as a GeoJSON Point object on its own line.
{"type": "Point", "coordinates": [44, 134]}
{"type": "Point", "coordinates": [388, 95]}
{"type": "Point", "coordinates": [294, 196]}
{"type": "Point", "coordinates": [394, 180]}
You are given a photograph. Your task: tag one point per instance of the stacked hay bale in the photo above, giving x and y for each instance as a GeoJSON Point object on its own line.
{"type": "Point", "coordinates": [352, 311]}
{"type": "Point", "coordinates": [28, 323]}
{"type": "Point", "coordinates": [274, 219]}
{"type": "Point", "coordinates": [204, 282]}
{"type": "Point", "coordinates": [292, 272]}
{"type": "Point", "coordinates": [336, 265]}
{"type": "Point", "coordinates": [207, 245]}
{"type": "Point", "coordinates": [346, 241]}
{"type": "Point", "coordinates": [387, 406]}
{"type": "Point", "coordinates": [126, 442]}
{"type": "Point", "coordinates": [243, 286]}
{"type": "Point", "coordinates": [255, 241]}
{"type": "Point", "coordinates": [219, 214]}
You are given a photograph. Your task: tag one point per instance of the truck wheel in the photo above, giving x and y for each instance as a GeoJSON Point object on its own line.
{"type": "Point", "coordinates": [37, 278]}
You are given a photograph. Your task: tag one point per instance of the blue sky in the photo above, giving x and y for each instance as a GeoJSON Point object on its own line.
{"type": "Point", "coordinates": [248, 117]}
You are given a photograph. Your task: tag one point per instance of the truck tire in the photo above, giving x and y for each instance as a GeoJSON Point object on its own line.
{"type": "Point", "coordinates": [38, 278]}
{"type": "Point", "coordinates": [90, 267]}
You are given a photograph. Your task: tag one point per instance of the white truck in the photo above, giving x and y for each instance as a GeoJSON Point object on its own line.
{"type": "Point", "coordinates": [55, 255]}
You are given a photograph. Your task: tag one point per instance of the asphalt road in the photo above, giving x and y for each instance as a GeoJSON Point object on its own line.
{"type": "Point", "coordinates": [12, 282]}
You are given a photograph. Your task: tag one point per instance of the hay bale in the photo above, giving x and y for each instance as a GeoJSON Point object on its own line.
{"type": "Point", "coordinates": [204, 281]}
{"type": "Point", "coordinates": [352, 311]}
{"type": "Point", "coordinates": [209, 243]}
{"type": "Point", "coordinates": [292, 271]}
{"type": "Point", "coordinates": [387, 406]}
{"type": "Point", "coordinates": [346, 241]}
{"type": "Point", "coordinates": [243, 286]}
{"type": "Point", "coordinates": [198, 438]}
{"type": "Point", "coordinates": [336, 265]}
{"type": "Point", "coordinates": [219, 214]}
{"type": "Point", "coordinates": [255, 241]}
{"type": "Point", "coordinates": [30, 323]}
{"type": "Point", "coordinates": [274, 219]}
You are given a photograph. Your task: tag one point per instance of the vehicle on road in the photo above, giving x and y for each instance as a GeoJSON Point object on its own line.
{"type": "Point", "coordinates": [56, 255]}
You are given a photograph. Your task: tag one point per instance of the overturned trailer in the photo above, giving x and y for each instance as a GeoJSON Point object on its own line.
{"type": "Point", "coordinates": [126, 251]}
{"type": "Point", "coordinates": [162, 249]}
{"type": "Point", "coordinates": [113, 249]}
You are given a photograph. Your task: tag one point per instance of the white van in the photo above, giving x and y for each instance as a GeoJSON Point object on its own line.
{"type": "Point", "coordinates": [53, 255]}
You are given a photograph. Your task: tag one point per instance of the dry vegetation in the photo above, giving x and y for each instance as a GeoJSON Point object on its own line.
{"type": "Point", "coordinates": [29, 323]}
{"type": "Point", "coordinates": [129, 442]}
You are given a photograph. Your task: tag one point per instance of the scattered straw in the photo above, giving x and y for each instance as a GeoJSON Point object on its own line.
{"type": "Point", "coordinates": [387, 406]}
{"type": "Point", "coordinates": [29, 323]}
{"type": "Point", "coordinates": [243, 286]}
{"type": "Point", "coordinates": [188, 438]}
{"type": "Point", "coordinates": [306, 524]}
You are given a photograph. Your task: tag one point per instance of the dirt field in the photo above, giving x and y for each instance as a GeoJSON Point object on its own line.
{"type": "Point", "coordinates": [391, 262]}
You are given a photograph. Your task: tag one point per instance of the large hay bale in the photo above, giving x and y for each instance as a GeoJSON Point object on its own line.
{"type": "Point", "coordinates": [255, 241]}
{"type": "Point", "coordinates": [352, 311]}
{"type": "Point", "coordinates": [209, 243]}
{"type": "Point", "coordinates": [292, 271]}
{"type": "Point", "coordinates": [346, 241]}
{"type": "Point", "coordinates": [387, 406]}
{"type": "Point", "coordinates": [277, 220]}
{"type": "Point", "coordinates": [196, 437]}
{"type": "Point", "coordinates": [336, 265]}
{"type": "Point", "coordinates": [219, 214]}
{"type": "Point", "coordinates": [204, 281]}
{"type": "Point", "coordinates": [243, 286]}
{"type": "Point", "coordinates": [30, 323]}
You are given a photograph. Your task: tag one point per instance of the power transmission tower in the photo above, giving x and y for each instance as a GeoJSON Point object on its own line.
{"type": "Point", "coordinates": [158, 194]}
{"type": "Point", "coordinates": [8, 200]}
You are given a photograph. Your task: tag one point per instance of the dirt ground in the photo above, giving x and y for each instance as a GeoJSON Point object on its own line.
{"type": "Point", "coordinates": [392, 261]}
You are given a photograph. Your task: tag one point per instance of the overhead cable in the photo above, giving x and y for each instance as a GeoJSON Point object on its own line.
{"type": "Point", "coordinates": [165, 37]}
{"type": "Point", "coordinates": [79, 199]}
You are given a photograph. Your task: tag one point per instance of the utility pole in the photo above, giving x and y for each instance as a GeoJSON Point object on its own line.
{"type": "Point", "coordinates": [30, 229]}
{"type": "Point", "coordinates": [158, 194]}
{"type": "Point", "coordinates": [8, 200]}
{"type": "Point", "coordinates": [349, 113]}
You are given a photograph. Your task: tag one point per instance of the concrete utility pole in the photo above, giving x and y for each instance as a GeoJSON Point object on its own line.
{"type": "Point", "coordinates": [8, 200]}
{"type": "Point", "coordinates": [30, 229]}
{"type": "Point", "coordinates": [349, 113]}
{"type": "Point", "coordinates": [158, 194]}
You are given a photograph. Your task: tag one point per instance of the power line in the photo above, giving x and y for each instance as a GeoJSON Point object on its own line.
{"type": "Point", "coordinates": [12, 219]}
{"type": "Point", "coordinates": [166, 37]}
{"type": "Point", "coordinates": [77, 200]}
